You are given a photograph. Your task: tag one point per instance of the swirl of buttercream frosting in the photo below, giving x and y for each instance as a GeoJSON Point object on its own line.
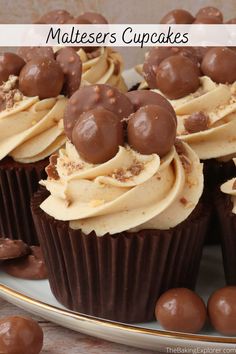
{"type": "Point", "coordinates": [129, 192]}
{"type": "Point", "coordinates": [31, 129]}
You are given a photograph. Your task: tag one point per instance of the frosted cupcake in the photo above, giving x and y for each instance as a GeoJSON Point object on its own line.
{"type": "Point", "coordinates": [205, 106]}
{"type": "Point", "coordinates": [120, 221]}
{"type": "Point", "coordinates": [203, 96]}
{"type": "Point", "coordinates": [31, 129]}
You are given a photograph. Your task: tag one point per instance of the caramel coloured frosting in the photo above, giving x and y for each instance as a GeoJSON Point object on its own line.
{"type": "Point", "coordinates": [217, 102]}
{"type": "Point", "coordinates": [229, 188]}
{"type": "Point", "coordinates": [130, 192]}
{"type": "Point", "coordinates": [30, 129]}
{"type": "Point", "coordinates": [102, 66]}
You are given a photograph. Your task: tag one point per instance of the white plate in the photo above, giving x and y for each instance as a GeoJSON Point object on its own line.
{"type": "Point", "coordinates": [36, 297]}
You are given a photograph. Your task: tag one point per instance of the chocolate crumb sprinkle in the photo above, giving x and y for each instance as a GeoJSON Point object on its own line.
{"type": "Point", "coordinates": [123, 175]}
{"type": "Point", "coordinates": [183, 155]}
{"type": "Point", "coordinates": [51, 169]}
{"type": "Point", "coordinates": [187, 164]}
{"type": "Point", "coordinates": [183, 201]}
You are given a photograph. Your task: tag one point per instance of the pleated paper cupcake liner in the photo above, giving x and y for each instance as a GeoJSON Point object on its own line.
{"type": "Point", "coordinates": [215, 173]}
{"type": "Point", "coordinates": [18, 182]}
{"type": "Point", "coordinates": [228, 236]}
{"type": "Point", "coordinates": [118, 277]}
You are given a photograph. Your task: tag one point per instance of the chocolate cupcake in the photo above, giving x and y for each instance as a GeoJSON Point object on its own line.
{"type": "Point", "coordinates": [121, 220]}
{"type": "Point", "coordinates": [31, 129]}
{"type": "Point", "coordinates": [226, 212]}
{"type": "Point", "coordinates": [202, 92]}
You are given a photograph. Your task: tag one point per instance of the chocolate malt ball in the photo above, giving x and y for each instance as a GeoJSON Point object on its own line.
{"type": "Point", "coordinates": [31, 266]}
{"type": "Point", "coordinates": [71, 66]}
{"type": "Point", "coordinates": [177, 16]}
{"type": "Point", "coordinates": [152, 130]}
{"type": "Point", "coordinates": [220, 65]}
{"type": "Point", "coordinates": [91, 97]}
{"type": "Point", "coordinates": [20, 335]}
{"type": "Point", "coordinates": [11, 249]}
{"type": "Point", "coordinates": [210, 11]}
{"type": "Point", "coordinates": [181, 310]}
{"type": "Point", "coordinates": [157, 54]}
{"type": "Point", "coordinates": [97, 135]}
{"type": "Point", "coordinates": [10, 64]}
{"type": "Point", "coordinates": [41, 77]}
{"type": "Point", "coordinates": [222, 310]}
{"type": "Point", "coordinates": [177, 76]}
{"type": "Point", "coordinates": [196, 122]}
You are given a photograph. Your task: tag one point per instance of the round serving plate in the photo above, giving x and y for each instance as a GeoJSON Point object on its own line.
{"type": "Point", "coordinates": [36, 297]}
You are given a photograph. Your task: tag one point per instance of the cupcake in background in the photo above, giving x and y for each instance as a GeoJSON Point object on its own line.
{"type": "Point", "coordinates": [226, 205]}
{"type": "Point", "coordinates": [121, 220]}
{"type": "Point", "coordinates": [202, 93]}
{"type": "Point", "coordinates": [100, 65]}
{"type": "Point", "coordinates": [204, 99]}
{"type": "Point", "coordinates": [31, 129]}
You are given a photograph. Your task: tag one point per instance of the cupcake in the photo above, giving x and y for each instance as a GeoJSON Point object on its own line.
{"type": "Point", "coordinates": [204, 102]}
{"type": "Point", "coordinates": [120, 220]}
{"type": "Point", "coordinates": [31, 129]}
{"type": "Point", "coordinates": [226, 202]}
{"type": "Point", "coordinates": [204, 98]}
{"type": "Point", "coordinates": [100, 65]}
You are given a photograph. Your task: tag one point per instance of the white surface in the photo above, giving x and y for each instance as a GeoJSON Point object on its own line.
{"type": "Point", "coordinates": [211, 278]}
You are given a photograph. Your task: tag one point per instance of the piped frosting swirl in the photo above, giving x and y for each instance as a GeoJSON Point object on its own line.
{"type": "Point", "coordinates": [129, 192]}
{"type": "Point", "coordinates": [30, 129]}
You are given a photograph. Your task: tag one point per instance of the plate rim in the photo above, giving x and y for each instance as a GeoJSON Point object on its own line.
{"type": "Point", "coordinates": [115, 325]}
